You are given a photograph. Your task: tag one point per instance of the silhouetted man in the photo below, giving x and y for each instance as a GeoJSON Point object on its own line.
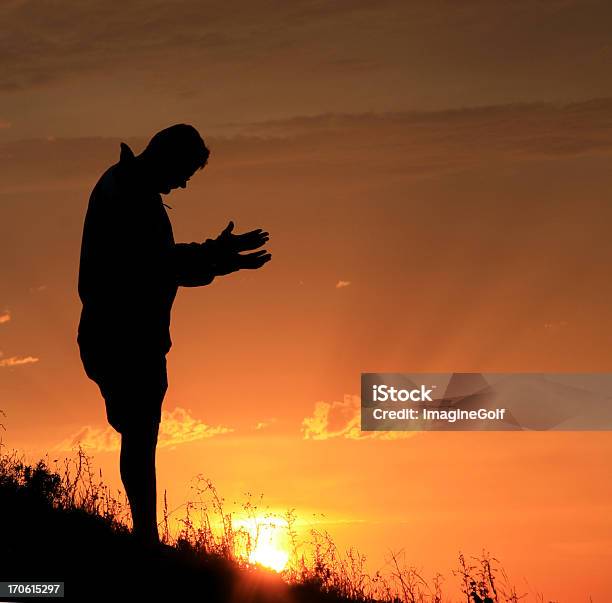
{"type": "Point", "coordinates": [129, 274]}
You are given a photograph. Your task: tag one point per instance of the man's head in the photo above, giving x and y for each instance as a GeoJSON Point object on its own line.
{"type": "Point", "coordinates": [173, 156]}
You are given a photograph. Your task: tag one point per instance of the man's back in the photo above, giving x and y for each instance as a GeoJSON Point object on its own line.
{"type": "Point", "coordinates": [125, 278]}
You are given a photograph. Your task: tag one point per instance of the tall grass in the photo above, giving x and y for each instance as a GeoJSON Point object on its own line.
{"type": "Point", "coordinates": [206, 529]}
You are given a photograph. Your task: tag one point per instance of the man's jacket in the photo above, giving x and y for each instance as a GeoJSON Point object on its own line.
{"type": "Point", "coordinates": [130, 267]}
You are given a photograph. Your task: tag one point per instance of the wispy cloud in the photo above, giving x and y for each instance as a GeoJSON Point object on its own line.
{"type": "Point", "coordinates": [264, 424]}
{"type": "Point", "coordinates": [5, 316]}
{"type": "Point", "coordinates": [153, 33]}
{"type": "Point", "coordinates": [333, 419]}
{"type": "Point", "coordinates": [17, 361]}
{"type": "Point", "coordinates": [40, 43]}
{"type": "Point", "coordinates": [342, 419]}
{"type": "Point", "coordinates": [178, 426]}
{"type": "Point", "coordinates": [342, 284]}
{"type": "Point", "coordinates": [94, 439]}
{"type": "Point", "coordinates": [406, 145]}
{"type": "Point", "coordinates": [430, 141]}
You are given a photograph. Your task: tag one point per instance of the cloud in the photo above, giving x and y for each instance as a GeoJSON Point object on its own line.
{"type": "Point", "coordinates": [333, 419]}
{"type": "Point", "coordinates": [405, 145]}
{"type": "Point", "coordinates": [5, 316]}
{"type": "Point", "coordinates": [210, 64]}
{"type": "Point", "coordinates": [31, 56]}
{"type": "Point", "coordinates": [93, 439]}
{"type": "Point", "coordinates": [41, 45]}
{"type": "Point", "coordinates": [17, 361]}
{"type": "Point", "coordinates": [177, 427]}
{"type": "Point", "coordinates": [342, 419]}
{"type": "Point", "coordinates": [264, 424]}
{"type": "Point", "coordinates": [342, 284]}
{"type": "Point", "coordinates": [425, 141]}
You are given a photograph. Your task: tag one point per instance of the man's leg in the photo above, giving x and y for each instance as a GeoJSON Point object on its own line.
{"type": "Point", "coordinates": [133, 393]}
{"type": "Point", "coordinates": [137, 465]}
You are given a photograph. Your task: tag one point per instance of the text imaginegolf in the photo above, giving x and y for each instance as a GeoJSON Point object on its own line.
{"type": "Point", "coordinates": [439, 414]}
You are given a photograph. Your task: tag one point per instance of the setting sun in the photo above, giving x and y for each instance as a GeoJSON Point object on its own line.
{"type": "Point", "coordinates": [268, 542]}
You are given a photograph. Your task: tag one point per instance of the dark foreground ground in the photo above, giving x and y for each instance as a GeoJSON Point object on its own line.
{"type": "Point", "coordinates": [99, 561]}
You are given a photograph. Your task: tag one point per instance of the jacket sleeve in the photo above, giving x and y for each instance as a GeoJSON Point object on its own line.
{"type": "Point", "coordinates": [193, 264]}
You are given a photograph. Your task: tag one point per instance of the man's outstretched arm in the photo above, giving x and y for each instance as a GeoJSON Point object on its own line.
{"type": "Point", "coordinates": [193, 263]}
{"type": "Point", "coordinates": [197, 264]}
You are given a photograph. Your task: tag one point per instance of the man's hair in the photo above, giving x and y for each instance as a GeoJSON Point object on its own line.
{"type": "Point", "coordinates": [179, 144]}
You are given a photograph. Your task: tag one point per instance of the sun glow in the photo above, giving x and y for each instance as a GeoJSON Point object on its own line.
{"type": "Point", "coordinates": [268, 546]}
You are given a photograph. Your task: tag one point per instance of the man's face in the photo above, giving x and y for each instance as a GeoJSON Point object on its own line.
{"type": "Point", "coordinates": [175, 177]}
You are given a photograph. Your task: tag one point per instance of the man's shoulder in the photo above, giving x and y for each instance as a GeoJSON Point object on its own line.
{"type": "Point", "coordinates": [121, 182]}
{"type": "Point", "coordinates": [107, 184]}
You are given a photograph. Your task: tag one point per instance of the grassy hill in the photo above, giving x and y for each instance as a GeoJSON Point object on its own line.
{"type": "Point", "coordinates": [47, 533]}
{"type": "Point", "coordinates": [66, 526]}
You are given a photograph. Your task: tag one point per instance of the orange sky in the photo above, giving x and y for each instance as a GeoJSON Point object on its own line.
{"type": "Point", "coordinates": [436, 182]}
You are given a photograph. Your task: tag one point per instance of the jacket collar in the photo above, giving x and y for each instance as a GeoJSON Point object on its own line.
{"type": "Point", "coordinates": [126, 153]}
{"type": "Point", "coordinates": [129, 165]}
{"type": "Point", "coordinates": [131, 170]}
